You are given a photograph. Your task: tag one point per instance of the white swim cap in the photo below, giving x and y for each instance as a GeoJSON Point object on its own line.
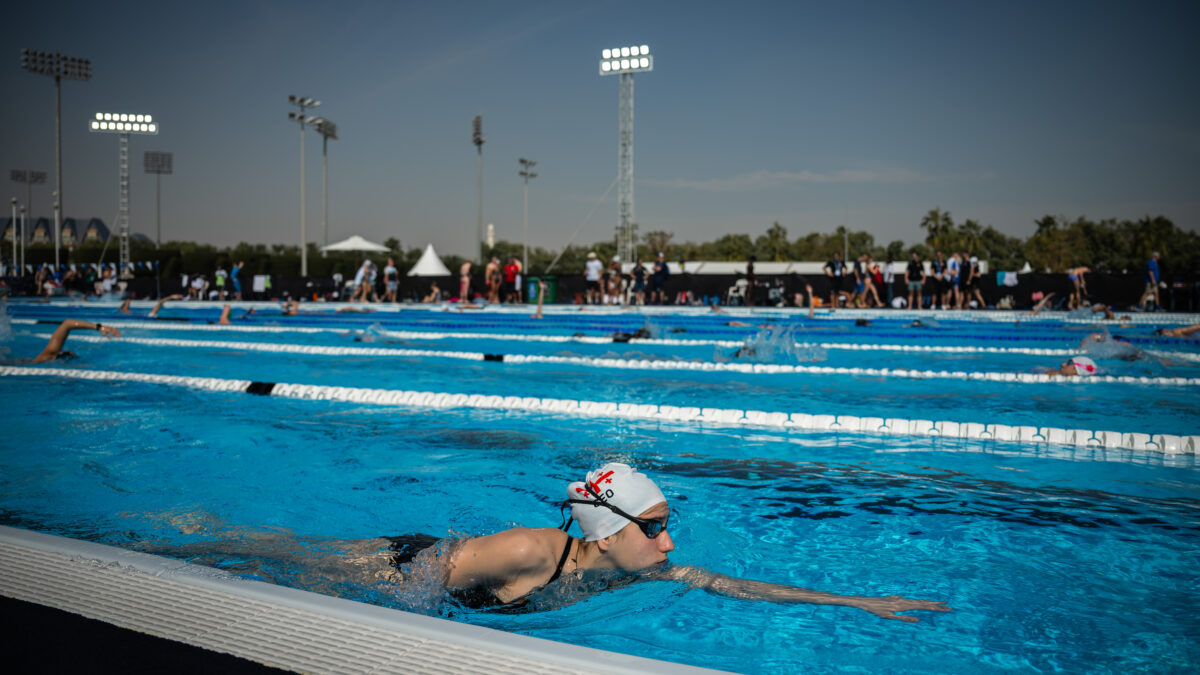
{"type": "Point", "coordinates": [618, 485]}
{"type": "Point", "coordinates": [1084, 367]}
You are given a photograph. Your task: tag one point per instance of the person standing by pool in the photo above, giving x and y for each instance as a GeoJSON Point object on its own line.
{"type": "Point", "coordinates": [233, 278]}
{"type": "Point", "coordinates": [591, 275]}
{"type": "Point", "coordinates": [491, 274]}
{"type": "Point", "coordinates": [914, 280]}
{"type": "Point", "coordinates": [1152, 279]}
{"type": "Point", "coordinates": [1078, 286]}
{"type": "Point", "coordinates": [219, 278]}
{"type": "Point", "coordinates": [391, 281]}
{"type": "Point", "coordinates": [638, 273]}
{"type": "Point", "coordinates": [834, 269]}
{"type": "Point", "coordinates": [751, 280]}
{"type": "Point", "coordinates": [464, 282]}
{"type": "Point", "coordinates": [511, 270]}
{"type": "Point", "coordinates": [658, 280]}
{"type": "Point", "coordinates": [953, 270]}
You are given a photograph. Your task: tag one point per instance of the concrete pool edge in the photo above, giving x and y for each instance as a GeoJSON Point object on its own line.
{"type": "Point", "coordinates": [273, 625]}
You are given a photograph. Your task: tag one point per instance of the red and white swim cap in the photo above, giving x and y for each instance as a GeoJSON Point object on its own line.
{"type": "Point", "coordinates": [619, 485]}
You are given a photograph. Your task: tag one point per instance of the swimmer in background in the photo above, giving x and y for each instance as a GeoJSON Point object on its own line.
{"type": "Point", "coordinates": [1185, 332]}
{"type": "Point", "coordinates": [541, 297]}
{"type": "Point", "coordinates": [624, 519]}
{"type": "Point", "coordinates": [1041, 303]}
{"type": "Point", "coordinates": [291, 307]}
{"type": "Point", "coordinates": [154, 312]}
{"type": "Point", "coordinates": [1076, 366]}
{"type": "Point", "coordinates": [54, 348]}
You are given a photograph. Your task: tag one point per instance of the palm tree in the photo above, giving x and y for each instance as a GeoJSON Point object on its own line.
{"type": "Point", "coordinates": [938, 223]}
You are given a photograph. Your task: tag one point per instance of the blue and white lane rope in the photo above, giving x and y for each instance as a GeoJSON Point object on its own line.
{"type": "Point", "coordinates": [1114, 440]}
{"type": "Point", "coordinates": [647, 364]}
{"type": "Point", "coordinates": [581, 339]}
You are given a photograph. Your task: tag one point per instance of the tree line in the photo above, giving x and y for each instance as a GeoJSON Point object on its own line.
{"type": "Point", "coordinates": [1058, 244]}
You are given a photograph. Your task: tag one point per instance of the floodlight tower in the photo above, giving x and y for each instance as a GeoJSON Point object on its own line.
{"type": "Point", "coordinates": [327, 130]}
{"type": "Point", "coordinates": [303, 102]}
{"type": "Point", "coordinates": [624, 62]}
{"type": "Point", "coordinates": [123, 124]}
{"type": "Point", "coordinates": [29, 178]}
{"type": "Point", "coordinates": [526, 165]}
{"type": "Point", "coordinates": [478, 139]}
{"type": "Point", "coordinates": [57, 66]}
{"type": "Point", "coordinates": [158, 163]}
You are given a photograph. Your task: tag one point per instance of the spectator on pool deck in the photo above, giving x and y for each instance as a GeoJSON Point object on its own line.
{"type": "Point", "coordinates": [623, 517]}
{"type": "Point", "coordinates": [751, 280]}
{"type": "Point", "coordinates": [511, 278]}
{"type": "Point", "coordinates": [889, 278]}
{"type": "Point", "coordinates": [613, 283]}
{"type": "Point", "coordinates": [591, 274]}
{"type": "Point", "coordinates": [234, 281]}
{"type": "Point", "coordinates": [874, 279]}
{"type": "Point", "coordinates": [658, 280]}
{"type": "Point", "coordinates": [914, 280]}
{"type": "Point", "coordinates": [464, 282]}
{"type": "Point", "coordinates": [835, 269]}
{"type": "Point", "coordinates": [1183, 332]}
{"type": "Point", "coordinates": [1152, 280]}
{"type": "Point", "coordinates": [1078, 286]}
{"type": "Point", "coordinates": [54, 348]}
{"type": "Point", "coordinates": [391, 281]}
{"type": "Point", "coordinates": [219, 280]}
{"type": "Point", "coordinates": [638, 273]}
{"type": "Point", "coordinates": [972, 292]}
{"type": "Point", "coordinates": [492, 277]}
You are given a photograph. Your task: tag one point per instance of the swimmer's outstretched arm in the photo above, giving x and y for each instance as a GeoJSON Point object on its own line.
{"type": "Point", "coordinates": [883, 607]}
{"type": "Point", "coordinates": [59, 338]}
{"type": "Point", "coordinates": [154, 312]}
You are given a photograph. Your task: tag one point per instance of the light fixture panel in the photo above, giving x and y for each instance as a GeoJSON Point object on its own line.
{"type": "Point", "coordinates": [123, 123]}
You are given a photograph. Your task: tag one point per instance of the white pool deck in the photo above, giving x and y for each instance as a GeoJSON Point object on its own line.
{"type": "Point", "coordinates": [273, 625]}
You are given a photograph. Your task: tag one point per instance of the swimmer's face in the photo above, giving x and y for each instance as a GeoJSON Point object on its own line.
{"type": "Point", "coordinates": [631, 549]}
{"type": "Point", "coordinates": [1068, 369]}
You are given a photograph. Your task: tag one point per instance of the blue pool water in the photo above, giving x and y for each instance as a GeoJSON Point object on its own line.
{"type": "Point", "coordinates": [1052, 557]}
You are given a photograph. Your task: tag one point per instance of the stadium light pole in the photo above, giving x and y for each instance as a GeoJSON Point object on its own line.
{"type": "Point", "coordinates": [526, 165]}
{"type": "Point", "coordinates": [14, 231]}
{"type": "Point", "coordinates": [327, 130]}
{"type": "Point", "coordinates": [57, 66]}
{"type": "Point", "coordinates": [303, 102]}
{"type": "Point", "coordinates": [478, 139]}
{"type": "Point", "coordinates": [29, 178]}
{"type": "Point", "coordinates": [157, 163]}
{"type": "Point", "coordinates": [624, 62]}
{"type": "Point", "coordinates": [123, 124]}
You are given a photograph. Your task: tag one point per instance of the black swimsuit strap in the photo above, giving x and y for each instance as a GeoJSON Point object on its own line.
{"type": "Point", "coordinates": [562, 560]}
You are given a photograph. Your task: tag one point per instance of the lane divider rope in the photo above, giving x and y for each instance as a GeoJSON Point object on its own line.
{"type": "Point", "coordinates": [649, 364]}
{"type": "Point", "coordinates": [510, 337]}
{"type": "Point", "coordinates": [1165, 443]}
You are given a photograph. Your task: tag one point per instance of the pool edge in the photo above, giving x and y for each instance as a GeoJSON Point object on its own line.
{"type": "Point", "coordinates": [273, 625]}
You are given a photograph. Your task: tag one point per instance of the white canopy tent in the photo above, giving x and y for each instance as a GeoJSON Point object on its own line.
{"type": "Point", "coordinates": [430, 265]}
{"type": "Point", "coordinates": [356, 243]}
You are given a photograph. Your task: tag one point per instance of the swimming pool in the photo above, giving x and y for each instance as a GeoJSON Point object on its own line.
{"type": "Point", "coordinates": [1054, 555]}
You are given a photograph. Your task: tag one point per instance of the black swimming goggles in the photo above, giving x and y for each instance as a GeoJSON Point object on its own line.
{"type": "Point", "coordinates": [651, 527]}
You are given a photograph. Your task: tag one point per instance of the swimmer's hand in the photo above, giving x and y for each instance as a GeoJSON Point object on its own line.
{"type": "Point", "coordinates": [109, 332]}
{"type": "Point", "coordinates": [887, 607]}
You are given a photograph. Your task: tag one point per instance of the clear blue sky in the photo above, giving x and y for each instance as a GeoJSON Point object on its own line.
{"type": "Point", "coordinates": [797, 112]}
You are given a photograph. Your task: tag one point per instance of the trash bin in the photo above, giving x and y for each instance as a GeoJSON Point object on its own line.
{"type": "Point", "coordinates": [531, 289]}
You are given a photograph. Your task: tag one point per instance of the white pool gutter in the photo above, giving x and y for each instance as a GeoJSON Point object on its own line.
{"type": "Point", "coordinates": [273, 625]}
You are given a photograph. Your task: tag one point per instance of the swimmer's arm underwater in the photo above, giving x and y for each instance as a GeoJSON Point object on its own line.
{"type": "Point", "coordinates": [884, 607]}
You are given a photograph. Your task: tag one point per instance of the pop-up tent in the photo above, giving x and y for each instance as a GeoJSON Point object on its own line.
{"type": "Point", "coordinates": [356, 243]}
{"type": "Point", "coordinates": [430, 265]}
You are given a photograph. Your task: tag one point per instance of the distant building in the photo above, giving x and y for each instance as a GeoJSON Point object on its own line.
{"type": "Point", "coordinates": [73, 233]}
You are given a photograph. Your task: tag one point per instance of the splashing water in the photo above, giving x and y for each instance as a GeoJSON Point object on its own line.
{"type": "Point", "coordinates": [776, 345]}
